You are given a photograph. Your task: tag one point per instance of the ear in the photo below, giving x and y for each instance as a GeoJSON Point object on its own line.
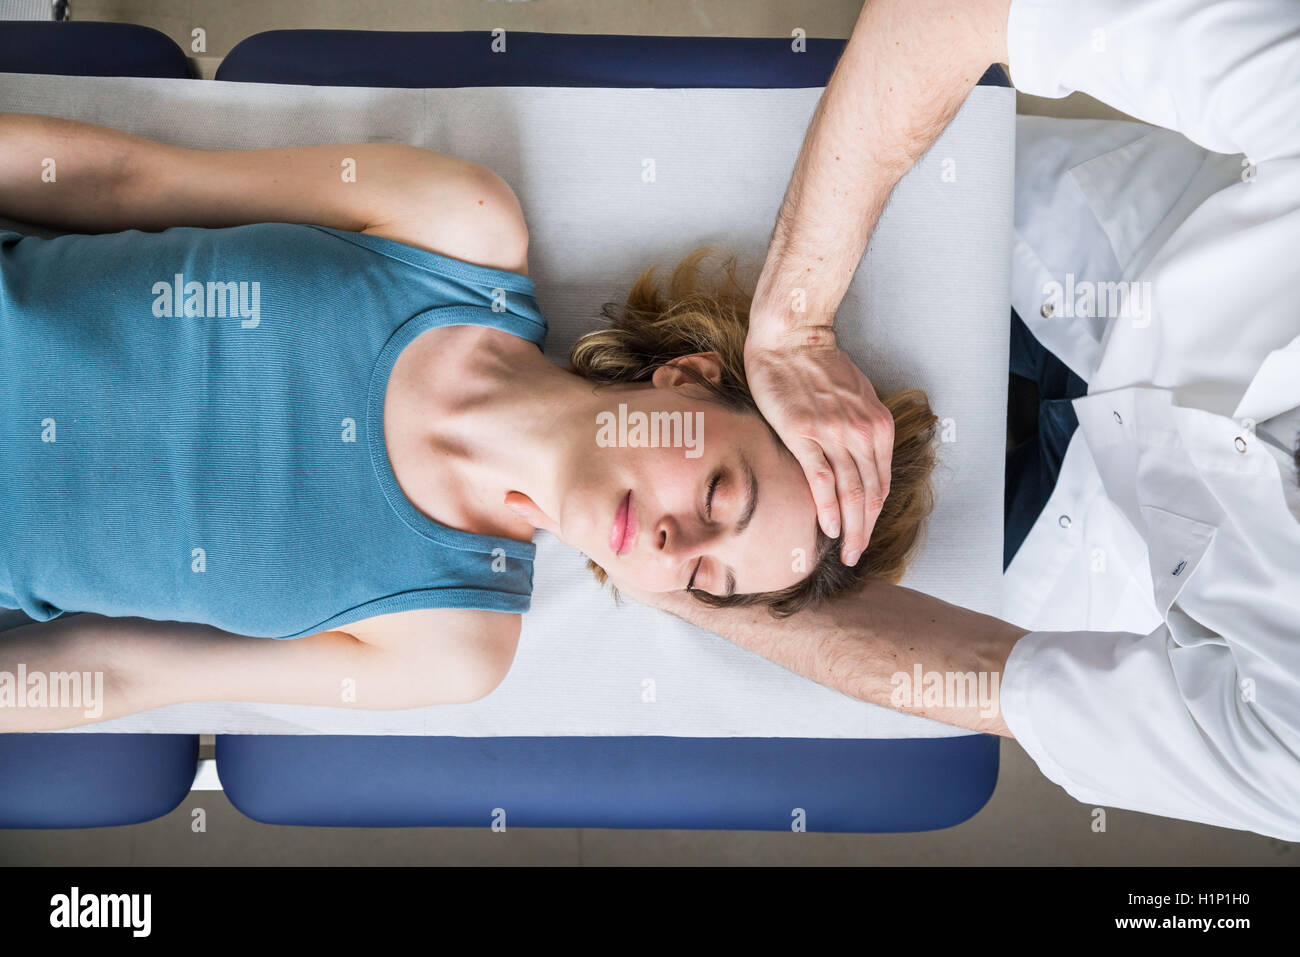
{"type": "Point", "coordinates": [671, 374]}
{"type": "Point", "coordinates": [527, 509]}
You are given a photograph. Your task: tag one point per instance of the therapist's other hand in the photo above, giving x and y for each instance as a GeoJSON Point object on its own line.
{"type": "Point", "coordinates": [829, 417]}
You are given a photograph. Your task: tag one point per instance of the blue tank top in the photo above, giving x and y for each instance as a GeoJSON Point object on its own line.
{"type": "Point", "coordinates": [191, 428]}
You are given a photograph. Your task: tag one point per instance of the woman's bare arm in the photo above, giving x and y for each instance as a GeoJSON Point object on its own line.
{"type": "Point", "coordinates": [85, 178]}
{"type": "Point", "coordinates": [407, 660]}
{"type": "Point", "coordinates": [871, 645]}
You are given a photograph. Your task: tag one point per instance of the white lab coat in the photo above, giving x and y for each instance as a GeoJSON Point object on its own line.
{"type": "Point", "coordinates": [1162, 580]}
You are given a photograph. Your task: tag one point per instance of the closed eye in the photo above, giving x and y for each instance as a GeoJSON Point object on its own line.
{"type": "Point", "coordinates": [708, 501]}
{"type": "Point", "coordinates": [731, 580]}
{"type": "Point", "coordinates": [750, 485]}
{"type": "Point", "coordinates": [708, 514]}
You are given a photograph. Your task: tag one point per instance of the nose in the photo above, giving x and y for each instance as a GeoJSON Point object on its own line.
{"type": "Point", "coordinates": [675, 542]}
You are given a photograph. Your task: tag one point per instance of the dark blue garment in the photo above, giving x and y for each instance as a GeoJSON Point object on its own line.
{"type": "Point", "coordinates": [1034, 464]}
{"type": "Point", "coordinates": [191, 428]}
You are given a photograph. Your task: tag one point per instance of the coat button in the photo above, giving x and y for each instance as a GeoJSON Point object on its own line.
{"type": "Point", "coordinates": [1048, 310]}
{"type": "Point", "coordinates": [1064, 521]}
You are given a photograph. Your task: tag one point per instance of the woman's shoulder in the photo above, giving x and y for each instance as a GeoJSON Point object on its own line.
{"type": "Point", "coordinates": [473, 216]}
{"type": "Point", "coordinates": [397, 627]}
{"type": "Point", "coordinates": [464, 652]}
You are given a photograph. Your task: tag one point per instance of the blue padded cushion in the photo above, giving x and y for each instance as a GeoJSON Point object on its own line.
{"type": "Point", "coordinates": [93, 780]}
{"type": "Point", "coordinates": [89, 49]}
{"type": "Point", "coordinates": [847, 785]}
{"type": "Point", "coordinates": [443, 59]}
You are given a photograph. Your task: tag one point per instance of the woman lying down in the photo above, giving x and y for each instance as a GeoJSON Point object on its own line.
{"type": "Point", "coordinates": [318, 410]}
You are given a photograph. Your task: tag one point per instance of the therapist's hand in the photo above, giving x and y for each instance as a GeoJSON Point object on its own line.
{"type": "Point", "coordinates": [828, 415]}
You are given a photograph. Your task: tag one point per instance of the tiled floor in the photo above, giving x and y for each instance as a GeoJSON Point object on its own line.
{"type": "Point", "coordinates": [1029, 820]}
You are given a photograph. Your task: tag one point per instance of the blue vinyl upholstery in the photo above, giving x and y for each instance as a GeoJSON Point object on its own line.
{"type": "Point", "coordinates": [429, 60]}
{"type": "Point", "coordinates": [759, 784]}
{"type": "Point", "coordinates": [93, 780]}
{"type": "Point", "coordinates": [88, 49]}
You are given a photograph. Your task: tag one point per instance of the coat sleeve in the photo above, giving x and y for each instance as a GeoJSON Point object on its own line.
{"type": "Point", "coordinates": [1224, 73]}
{"type": "Point", "coordinates": [1145, 723]}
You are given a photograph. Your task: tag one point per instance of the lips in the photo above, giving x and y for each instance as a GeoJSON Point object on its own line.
{"type": "Point", "coordinates": [623, 532]}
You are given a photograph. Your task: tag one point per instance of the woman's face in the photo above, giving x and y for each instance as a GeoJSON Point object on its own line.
{"type": "Point", "coordinates": [720, 505]}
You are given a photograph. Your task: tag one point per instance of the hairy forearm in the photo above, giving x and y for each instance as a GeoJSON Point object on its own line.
{"type": "Point", "coordinates": [905, 72]}
{"type": "Point", "coordinates": [873, 646]}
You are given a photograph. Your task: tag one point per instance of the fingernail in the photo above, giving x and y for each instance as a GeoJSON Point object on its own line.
{"type": "Point", "coordinates": [851, 558]}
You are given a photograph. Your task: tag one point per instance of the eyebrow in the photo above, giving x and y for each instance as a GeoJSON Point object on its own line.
{"type": "Point", "coordinates": [746, 515]}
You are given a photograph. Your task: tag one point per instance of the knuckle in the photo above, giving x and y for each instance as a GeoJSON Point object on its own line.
{"type": "Point", "coordinates": [855, 496]}
{"type": "Point", "coordinates": [865, 430]}
{"type": "Point", "coordinates": [807, 426]}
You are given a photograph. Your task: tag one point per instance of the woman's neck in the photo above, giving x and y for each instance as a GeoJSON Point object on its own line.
{"type": "Point", "coordinates": [480, 413]}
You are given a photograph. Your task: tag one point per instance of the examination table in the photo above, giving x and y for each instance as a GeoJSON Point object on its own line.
{"type": "Point", "coordinates": [625, 152]}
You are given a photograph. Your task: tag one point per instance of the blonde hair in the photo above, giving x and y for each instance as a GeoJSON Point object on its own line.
{"type": "Point", "coordinates": [688, 316]}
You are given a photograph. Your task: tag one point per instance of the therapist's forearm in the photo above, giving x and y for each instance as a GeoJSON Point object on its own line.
{"type": "Point", "coordinates": [863, 645]}
{"type": "Point", "coordinates": [905, 72]}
